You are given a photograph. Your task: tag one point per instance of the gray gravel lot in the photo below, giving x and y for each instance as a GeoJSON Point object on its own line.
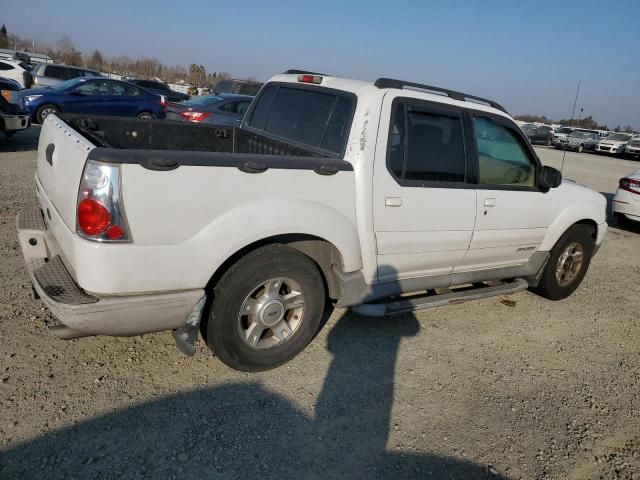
{"type": "Point", "coordinates": [522, 389]}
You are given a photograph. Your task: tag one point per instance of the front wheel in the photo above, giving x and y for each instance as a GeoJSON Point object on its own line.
{"type": "Point", "coordinates": [580, 149]}
{"type": "Point", "coordinates": [44, 111]}
{"type": "Point", "coordinates": [568, 263]}
{"type": "Point", "coordinates": [266, 309]}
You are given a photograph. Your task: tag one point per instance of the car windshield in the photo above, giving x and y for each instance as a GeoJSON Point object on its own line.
{"type": "Point", "coordinates": [68, 83]}
{"type": "Point", "coordinates": [202, 101]}
{"type": "Point", "coordinates": [564, 130]}
{"type": "Point", "coordinates": [580, 134]}
{"type": "Point", "coordinates": [619, 136]}
{"type": "Point", "coordinates": [528, 127]}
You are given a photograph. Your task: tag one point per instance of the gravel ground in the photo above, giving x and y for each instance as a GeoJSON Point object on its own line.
{"type": "Point", "coordinates": [512, 387]}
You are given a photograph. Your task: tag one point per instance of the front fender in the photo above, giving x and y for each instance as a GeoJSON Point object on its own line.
{"type": "Point", "coordinates": [574, 213]}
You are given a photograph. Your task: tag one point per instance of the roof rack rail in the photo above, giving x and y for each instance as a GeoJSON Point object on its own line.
{"type": "Point", "coordinates": [400, 84]}
{"type": "Point", "coordinates": [303, 72]}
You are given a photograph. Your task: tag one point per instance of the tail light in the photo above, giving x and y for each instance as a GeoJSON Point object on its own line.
{"type": "Point", "coordinates": [195, 116]}
{"type": "Point", "coordinates": [100, 212]}
{"type": "Point", "coordinates": [630, 185]}
{"type": "Point", "coordinates": [163, 101]}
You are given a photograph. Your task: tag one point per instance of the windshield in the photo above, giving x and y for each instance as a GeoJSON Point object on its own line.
{"type": "Point", "coordinates": [202, 101]}
{"type": "Point", "coordinates": [619, 136]}
{"type": "Point", "coordinates": [580, 135]}
{"type": "Point", "coordinates": [564, 130]}
{"type": "Point", "coordinates": [528, 126]}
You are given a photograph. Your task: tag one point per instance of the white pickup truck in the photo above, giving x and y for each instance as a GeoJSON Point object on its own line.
{"type": "Point", "coordinates": [331, 192]}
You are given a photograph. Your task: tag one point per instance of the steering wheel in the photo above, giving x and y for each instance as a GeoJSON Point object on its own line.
{"type": "Point", "coordinates": [517, 174]}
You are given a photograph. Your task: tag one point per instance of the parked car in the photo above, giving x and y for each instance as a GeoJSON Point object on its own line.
{"type": "Point", "coordinates": [614, 143]}
{"type": "Point", "coordinates": [632, 150]}
{"type": "Point", "coordinates": [221, 109]}
{"type": "Point", "coordinates": [16, 70]}
{"type": "Point", "coordinates": [95, 96]}
{"type": "Point", "coordinates": [160, 88]}
{"type": "Point", "coordinates": [13, 114]}
{"type": "Point", "coordinates": [50, 74]}
{"type": "Point", "coordinates": [626, 202]}
{"type": "Point", "coordinates": [539, 133]}
{"type": "Point", "coordinates": [561, 132]}
{"type": "Point", "coordinates": [332, 190]}
{"type": "Point", "coordinates": [578, 141]}
{"type": "Point", "coordinates": [240, 87]}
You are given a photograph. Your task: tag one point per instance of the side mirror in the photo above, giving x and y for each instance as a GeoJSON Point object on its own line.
{"type": "Point", "coordinates": [549, 178]}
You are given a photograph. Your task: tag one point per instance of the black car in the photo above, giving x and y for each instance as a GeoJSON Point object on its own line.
{"type": "Point", "coordinates": [218, 109]}
{"type": "Point", "coordinates": [13, 114]}
{"type": "Point", "coordinates": [160, 88]}
{"type": "Point", "coordinates": [539, 134]}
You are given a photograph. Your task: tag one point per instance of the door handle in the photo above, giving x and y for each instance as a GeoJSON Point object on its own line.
{"type": "Point", "coordinates": [489, 202]}
{"type": "Point", "coordinates": [393, 202]}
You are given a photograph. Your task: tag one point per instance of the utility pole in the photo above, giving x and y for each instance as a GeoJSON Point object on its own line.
{"type": "Point", "coordinates": [579, 115]}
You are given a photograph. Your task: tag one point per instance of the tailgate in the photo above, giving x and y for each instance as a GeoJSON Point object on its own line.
{"type": "Point", "coordinates": [62, 153]}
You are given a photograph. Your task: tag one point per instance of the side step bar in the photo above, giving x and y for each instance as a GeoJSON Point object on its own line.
{"type": "Point", "coordinates": [432, 299]}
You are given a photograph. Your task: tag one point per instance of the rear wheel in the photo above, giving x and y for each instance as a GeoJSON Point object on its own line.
{"type": "Point", "coordinates": [580, 148]}
{"type": "Point", "coordinates": [568, 263]}
{"type": "Point", "coordinates": [44, 111]}
{"type": "Point", "coordinates": [548, 142]}
{"type": "Point", "coordinates": [266, 309]}
{"type": "Point", "coordinates": [146, 116]}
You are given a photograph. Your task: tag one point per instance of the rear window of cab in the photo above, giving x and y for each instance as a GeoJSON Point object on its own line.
{"type": "Point", "coordinates": [319, 118]}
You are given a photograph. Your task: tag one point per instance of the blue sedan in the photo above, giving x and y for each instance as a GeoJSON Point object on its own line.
{"type": "Point", "coordinates": [94, 96]}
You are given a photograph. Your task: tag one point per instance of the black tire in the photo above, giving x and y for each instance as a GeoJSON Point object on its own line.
{"type": "Point", "coordinates": [145, 115]}
{"type": "Point", "coordinates": [580, 149]}
{"type": "Point", "coordinates": [548, 142]}
{"type": "Point", "coordinates": [40, 113]}
{"type": "Point", "coordinates": [549, 286]}
{"type": "Point", "coordinates": [223, 329]}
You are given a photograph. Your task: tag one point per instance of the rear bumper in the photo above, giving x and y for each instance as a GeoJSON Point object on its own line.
{"type": "Point", "coordinates": [82, 314]}
{"type": "Point", "coordinates": [11, 123]}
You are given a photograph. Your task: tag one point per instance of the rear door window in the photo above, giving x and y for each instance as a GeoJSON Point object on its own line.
{"type": "Point", "coordinates": [55, 71]}
{"type": "Point", "coordinates": [6, 66]}
{"type": "Point", "coordinates": [311, 117]}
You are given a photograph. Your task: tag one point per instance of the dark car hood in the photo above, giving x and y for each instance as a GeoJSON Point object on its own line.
{"type": "Point", "coordinates": [37, 91]}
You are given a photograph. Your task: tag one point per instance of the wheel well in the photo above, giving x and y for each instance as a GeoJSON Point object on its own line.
{"type": "Point", "coordinates": [593, 225]}
{"type": "Point", "coordinates": [321, 251]}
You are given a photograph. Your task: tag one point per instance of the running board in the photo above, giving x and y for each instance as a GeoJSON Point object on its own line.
{"type": "Point", "coordinates": [435, 299]}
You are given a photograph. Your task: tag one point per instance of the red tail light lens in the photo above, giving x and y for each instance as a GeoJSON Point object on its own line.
{"type": "Point", "coordinates": [630, 185]}
{"type": "Point", "coordinates": [93, 217]}
{"type": "Point", "coordinates": [195, 116]}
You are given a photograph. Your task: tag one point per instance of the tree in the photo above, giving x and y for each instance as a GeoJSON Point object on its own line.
{"type": "Point", "coordinates": [4, 38]}
{"type": "Point", "coordinates": [96, 60]}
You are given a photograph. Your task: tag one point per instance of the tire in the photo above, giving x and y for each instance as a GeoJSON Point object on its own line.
{"type": "Point", "coordinates": [550, 285]}
{"type": "Point", "coordinates": [44, 111]}
{"type": "Point", "coordinates": [548, 142]}
{"type": "Point", "coordinates": [258, 281]}
{"type": "Point", "coordinates": [580, 149]}
{"type": "Point", "coordinates": [145, 116]}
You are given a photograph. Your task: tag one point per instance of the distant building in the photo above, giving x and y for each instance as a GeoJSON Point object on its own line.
{"type": "Point", "coordinates": [8, 54]}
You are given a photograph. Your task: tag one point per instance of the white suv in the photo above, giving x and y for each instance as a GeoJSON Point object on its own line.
{"type": "Point", "coordinates": [332, 192]}
{"type": "Point", "coordinates": [17, 71]}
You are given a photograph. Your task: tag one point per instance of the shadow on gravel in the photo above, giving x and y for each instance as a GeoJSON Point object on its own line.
{"type": "Point", "coordinates": [244, 431]}
{"type": "Point", "coordinates": [23, 141]}
{"type": "Point", "coordinates": [614, 222]}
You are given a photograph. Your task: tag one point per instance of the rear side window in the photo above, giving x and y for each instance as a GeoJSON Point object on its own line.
{"type": "Point", "coordinates": [315, 118]}
{"type": "Point", "coordinates": [6, 66]}
{"type": "Point", "coordinates": [75, 73]}
{"type": "Point", "coordinates": [426, 146]}
{"type": "Point", "coordinates": [54, 71]}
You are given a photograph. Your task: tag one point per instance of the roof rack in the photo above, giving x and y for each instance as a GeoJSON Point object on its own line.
{"type": "Point", "coordinates": [401, 84]}
{"type": "Point", "coordinates": [304, 72]}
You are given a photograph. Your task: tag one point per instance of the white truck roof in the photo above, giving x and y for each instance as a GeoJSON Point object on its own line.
{"type": "Point", "coordinates": [424, 92]}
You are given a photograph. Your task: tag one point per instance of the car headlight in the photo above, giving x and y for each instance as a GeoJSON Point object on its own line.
{"type": "Point", "coordinates": [31, 98]}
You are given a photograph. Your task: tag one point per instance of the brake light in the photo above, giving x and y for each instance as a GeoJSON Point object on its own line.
{"type": "Point", "coordinates": [195, 116]}
{"type": "Point", "coordinates": [93, 217]}
{"type": "Point", "coordinates": [163, 101]}
{"type": "Point", "coordinates": [310, 79]}
{"type": "Point", "coordinates": [100, 214]}
{"type": "Point", "coordinates": [630, 185]}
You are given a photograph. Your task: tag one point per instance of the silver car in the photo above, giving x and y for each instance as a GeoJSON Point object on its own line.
{"type": "Point", "coordinates": [50, 74]}
{"type": "Point", "coordinates": [578, 141]}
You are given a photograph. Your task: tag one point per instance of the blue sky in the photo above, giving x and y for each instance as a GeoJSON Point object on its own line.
{"type": "Point", "coordinates": [526, 55]}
